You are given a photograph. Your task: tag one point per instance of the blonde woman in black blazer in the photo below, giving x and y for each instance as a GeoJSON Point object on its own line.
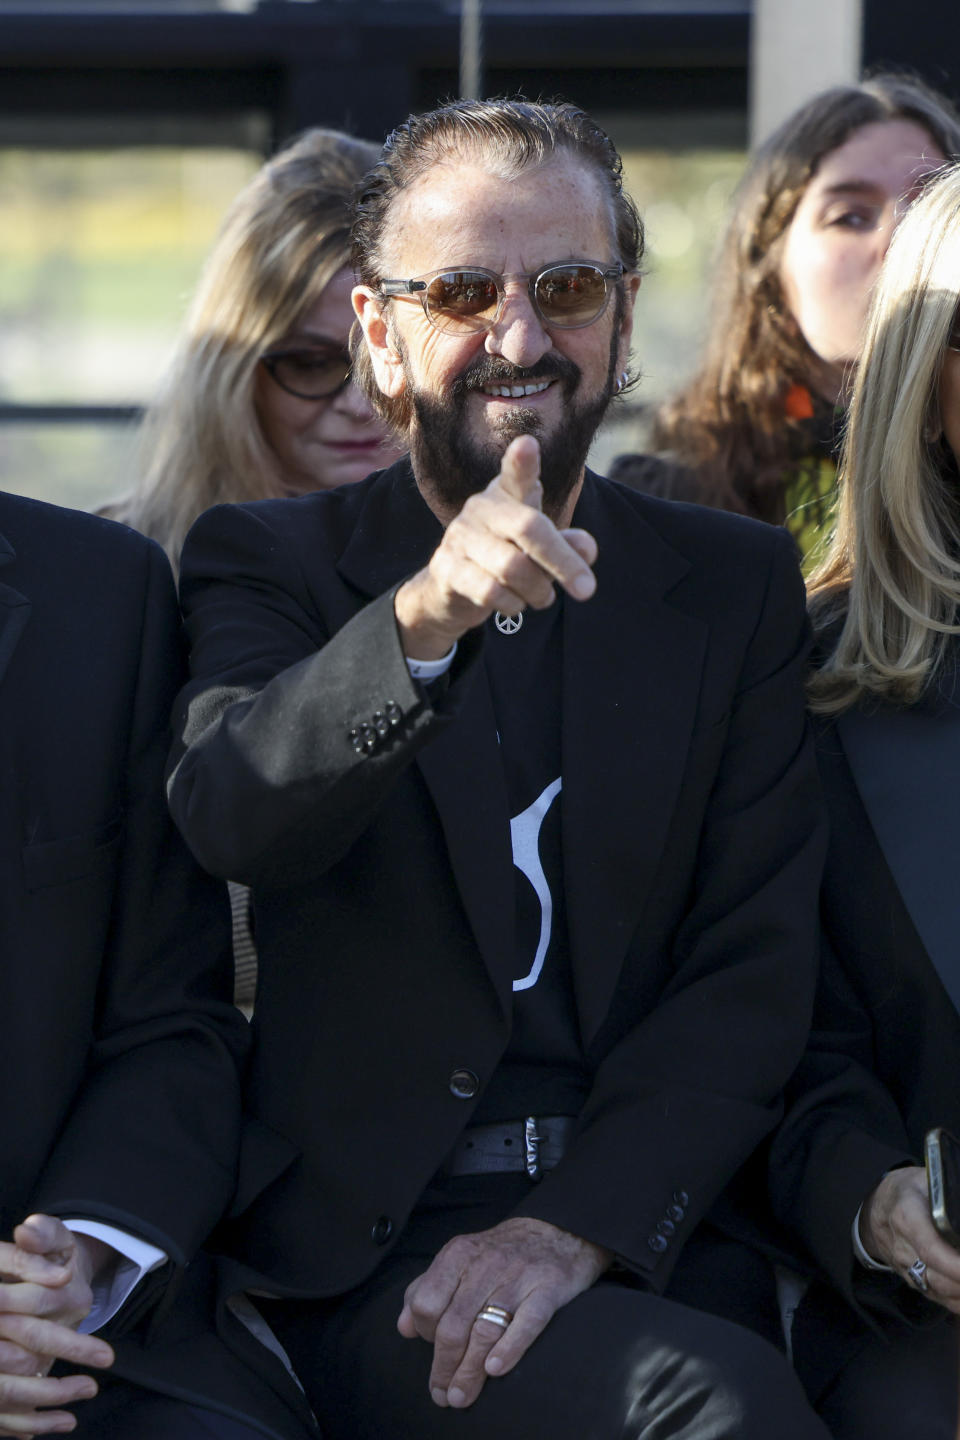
{"type": "Point", "coordinates": [884, 1063]}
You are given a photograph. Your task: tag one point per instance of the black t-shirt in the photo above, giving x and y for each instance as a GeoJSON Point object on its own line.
{"type": "Point", "coordinates": [542, 1071]}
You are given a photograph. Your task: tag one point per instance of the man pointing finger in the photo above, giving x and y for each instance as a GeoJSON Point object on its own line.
{"type": "Point", "coordinates": [516, 764]}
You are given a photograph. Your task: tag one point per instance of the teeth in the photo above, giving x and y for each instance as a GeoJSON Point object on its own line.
{"type": "Point", "coordinates": [516, 392]}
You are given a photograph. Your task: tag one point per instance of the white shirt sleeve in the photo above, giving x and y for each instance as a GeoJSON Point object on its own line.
{"type": "Point", "coordinates": [428, 670]}
{"type": "Point", "coordinates": [117, 1282]}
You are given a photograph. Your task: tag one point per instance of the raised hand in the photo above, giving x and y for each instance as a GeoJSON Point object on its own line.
{"type": "Point", "coordinates": [500, 553]}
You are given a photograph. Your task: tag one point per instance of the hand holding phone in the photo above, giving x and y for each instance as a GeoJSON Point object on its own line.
{"type": "Point", "coordinates": [942, 1156]}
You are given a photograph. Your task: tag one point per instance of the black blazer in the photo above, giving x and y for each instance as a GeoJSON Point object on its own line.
{"type": "Point", "coordinates": [118, 1063]}
{"type": "Point", "coordinates": [883, 1061]}
{"type": "Point", "coordinates": [382, 878]}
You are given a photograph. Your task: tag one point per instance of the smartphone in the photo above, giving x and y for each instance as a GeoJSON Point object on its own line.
{"type": "Point", "coordinates": [942, 1154]}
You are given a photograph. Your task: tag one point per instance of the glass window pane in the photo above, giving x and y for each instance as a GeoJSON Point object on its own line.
{"type": "Point", "coordinates": [682, 184]}
{"type": "Point", "coordinates": [82, 465]}
{"type": "Point", "coordinates": [99, 251]}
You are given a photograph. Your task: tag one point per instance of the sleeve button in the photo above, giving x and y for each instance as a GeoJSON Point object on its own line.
{"type": "Point", "coordinates": [657, 1243]}
{"type": "Point", "coordinates": [379, 721]}
{"type": "Point", "coordinates": [666, 1227]}
{"type": "Point", "coordinates": [393, 712]}
{"type": "Point", "coordinates": [675, 1213]}
{"type": "Point", "coordinates": [681, 1197]}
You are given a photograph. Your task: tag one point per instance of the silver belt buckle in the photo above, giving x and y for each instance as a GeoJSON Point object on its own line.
{"type": "Point", "coordinates": [531, 1147]}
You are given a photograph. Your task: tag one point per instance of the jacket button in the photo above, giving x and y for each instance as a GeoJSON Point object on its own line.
{"type": "Point", "coordinates": [382, 1230]}
{"type": "Point", "coordinates": [393, 712]}
{"type": "Point", "coordinates": [657, 1243]}
{"type": "Point", "coordinates": [464, 1084]}
{"type": "Point", "coordinates": [681, 1197]}
{"type": "Point", "coordinates": [666, 1227]}
{"type": "Point", "coordinates": [379, 722]}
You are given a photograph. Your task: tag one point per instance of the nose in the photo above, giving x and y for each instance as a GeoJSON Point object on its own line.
{"type": "Point", "coordinates": [353, 402]}
{"type": "Point", "coordinates": [519, 335]}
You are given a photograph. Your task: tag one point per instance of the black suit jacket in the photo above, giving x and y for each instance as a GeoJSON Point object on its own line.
{"type": "Point", "coordinates": [118, 1064]}
{"type": "Point", "coordinates": [884, 1055]}
{"type": "Point", "coordinates": [382, 874]}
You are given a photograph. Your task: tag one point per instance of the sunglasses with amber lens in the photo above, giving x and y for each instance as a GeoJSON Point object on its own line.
{"type": "Point", "coordinates": [463, 301]}
{"type": "Point", "coordinates": [310, 373]}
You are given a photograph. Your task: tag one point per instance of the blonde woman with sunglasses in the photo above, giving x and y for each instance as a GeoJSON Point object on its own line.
{"type": "Point", "coordinates": [258, 401]}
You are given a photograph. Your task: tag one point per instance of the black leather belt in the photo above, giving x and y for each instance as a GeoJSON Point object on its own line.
{"type": "Point", "coordinates": [532, 1145]}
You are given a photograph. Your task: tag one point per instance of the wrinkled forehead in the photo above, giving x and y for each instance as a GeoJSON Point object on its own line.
{"type": "Point", "coordinates": [469, 211]}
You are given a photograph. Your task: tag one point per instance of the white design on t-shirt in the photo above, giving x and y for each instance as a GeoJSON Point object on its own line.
{"type": "Point", "coordinates": [525, 838]}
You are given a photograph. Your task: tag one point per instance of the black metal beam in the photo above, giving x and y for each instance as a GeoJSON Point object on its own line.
{"type": "Point", "coordinates": [68, 414]}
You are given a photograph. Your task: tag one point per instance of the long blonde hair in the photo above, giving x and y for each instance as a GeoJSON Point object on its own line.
{"type": "Point", "coordinates": [282, 241]}
{"type": "Point", "coordinates": [885, 598]}
{"type": "Point", "coordinates": [730, 424]}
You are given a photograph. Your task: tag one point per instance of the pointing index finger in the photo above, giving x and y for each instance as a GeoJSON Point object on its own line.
{"type": "Point", "coordinates": [520, 471]}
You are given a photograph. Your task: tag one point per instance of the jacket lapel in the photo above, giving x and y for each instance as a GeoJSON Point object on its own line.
{"type": "Point", "coordinates": [14, 611]}
{"type": "Point", "coordinates": [395, 536]}
{"type": "Point", "coordinates": [906, 765]}
{"type": "Point", "coordinates": [631, 680]}
{"type": "Point", "coordinates": [464, 773]}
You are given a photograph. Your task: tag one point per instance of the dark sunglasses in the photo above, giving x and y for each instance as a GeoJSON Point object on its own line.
{"type": "Point", "coordinates": [463, 300]}
{"type": "Point", "coordinates": [309, 374]}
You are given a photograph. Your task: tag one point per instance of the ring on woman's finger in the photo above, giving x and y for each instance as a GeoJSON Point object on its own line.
{"type": "Point", "coordinates": [496, 1314]}
{"type": "Point", "coordinates": [918, 1274]}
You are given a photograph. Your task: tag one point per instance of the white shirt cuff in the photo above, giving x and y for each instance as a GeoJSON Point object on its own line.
{"type": "Point", "coordinates": [115, 1283]}
{"type": "Point", "coordinates": [431, 669]}
{"type": "Point", "coordinates": [861, 1251]}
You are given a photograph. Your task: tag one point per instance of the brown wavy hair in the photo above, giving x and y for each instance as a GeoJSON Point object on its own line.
{"type": "Point", "coordinates": [729, 424]}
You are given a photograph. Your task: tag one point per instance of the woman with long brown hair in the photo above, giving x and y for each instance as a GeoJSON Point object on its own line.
{"type": "Point", "coordinates": [754, 429]}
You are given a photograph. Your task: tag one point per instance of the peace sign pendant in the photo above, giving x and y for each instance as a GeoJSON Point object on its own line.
{"type": "Point", "coordinates": [508, 624]}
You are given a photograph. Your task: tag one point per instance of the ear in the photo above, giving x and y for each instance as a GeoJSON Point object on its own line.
{"type": "Point", "coordinates": [631, 285]}
{"type": "Point", "coordinates": [385, 358]}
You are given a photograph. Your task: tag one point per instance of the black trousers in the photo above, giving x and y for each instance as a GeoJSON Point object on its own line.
{"type": "Point", "coordinates": [125, 1412]}
{"type": "Point", "coordinates": [903, 1384]}
{"type": "Point", "coordinates": [617, 1363]}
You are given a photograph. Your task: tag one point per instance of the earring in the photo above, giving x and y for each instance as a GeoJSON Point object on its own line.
{"type": "Point", "coordinates": [623, 380]}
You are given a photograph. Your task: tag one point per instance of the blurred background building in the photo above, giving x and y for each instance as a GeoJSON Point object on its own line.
{"type": "Point", "coordinates": [126, 128]}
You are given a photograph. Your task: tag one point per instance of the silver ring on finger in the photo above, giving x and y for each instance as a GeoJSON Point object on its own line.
{"type": "Point", "coordinates": [496, 1315]}
{"type": "Point", "coordinates": [917, 1273]}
